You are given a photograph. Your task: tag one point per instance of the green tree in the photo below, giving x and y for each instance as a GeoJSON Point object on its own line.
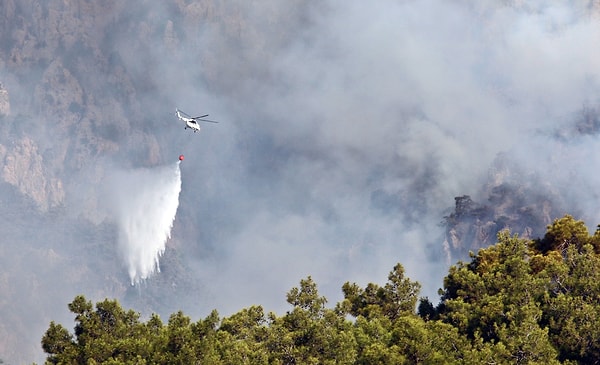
{"type": "Point", "coordinates": [205, 332]}
{"type": "Point", "coordinates": [572, 307]}
{"type": "Point", "coordinates": [497, 296]}
{"type": "Point", "coordinates": [181, 342]}
{"type": "Point", "coordinates": [432, 342]}
{"type": "Point", "coordinates": [307, 298]}
{"type": "Point", "coordinates": [58, 343]}
{"type": "Point", "coordinates": [309, 333]}
{"type": "Point", "coordinates": [106, 334]}
{"type": "Point", "coordinates": [396, 298]}
{"type": "Point", "coordinates": [374, 342]}
{"type": "Point", "coordinates": [562, 233]}
{"type": "Point", "coordinates": [242, 337]}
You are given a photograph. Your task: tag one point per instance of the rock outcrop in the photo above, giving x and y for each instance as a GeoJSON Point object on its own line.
{"type": "Point", "coordinates": [23, 167]}
{"type": "Point", "coordinates": [512, 200]}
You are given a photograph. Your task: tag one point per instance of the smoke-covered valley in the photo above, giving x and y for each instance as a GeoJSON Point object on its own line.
{"type": "Point", "coordinates": [351, 136]}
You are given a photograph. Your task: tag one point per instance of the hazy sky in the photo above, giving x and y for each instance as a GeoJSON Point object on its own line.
{"type": "Point", "coordinates": [346, 130]}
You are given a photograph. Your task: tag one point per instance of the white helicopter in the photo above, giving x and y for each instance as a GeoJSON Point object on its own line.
{"type": "Point", "coordinates": [192, 122]}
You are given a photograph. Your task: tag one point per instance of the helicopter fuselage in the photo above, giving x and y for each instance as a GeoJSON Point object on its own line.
{"type": "Point", "coordinates": [192, 124]}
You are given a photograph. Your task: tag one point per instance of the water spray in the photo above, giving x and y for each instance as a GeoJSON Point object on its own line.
{"type": "Point", "coordinates": [146, 204]}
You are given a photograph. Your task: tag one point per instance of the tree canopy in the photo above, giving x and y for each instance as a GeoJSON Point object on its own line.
{"type": "Point", "coordinates": [518, 301]}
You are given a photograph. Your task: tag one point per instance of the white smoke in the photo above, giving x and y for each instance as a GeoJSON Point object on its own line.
{"type": "Point", "coordinates": [145, 204]}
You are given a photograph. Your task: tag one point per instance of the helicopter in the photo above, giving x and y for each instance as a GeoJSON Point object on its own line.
{"type": "Point", "coordinates": [192, 122]}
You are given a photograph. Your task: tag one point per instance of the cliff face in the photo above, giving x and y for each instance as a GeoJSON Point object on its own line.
{"type": "Point", "coordinates": [82, 78]}
{"type": "Point", "coordinates": [66, 101]}
{"type": "Point", "coordinates": [512, 199]}
{"type": "Point", "coordinates": [57, 67]}
{"type": "Point", "coordinates": [24, 169]}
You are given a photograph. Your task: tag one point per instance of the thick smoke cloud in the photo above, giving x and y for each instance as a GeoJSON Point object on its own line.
{"type": "Point", "coordinates": [364, 127]}
{"type": "Point", "coordinates": [346, 130]}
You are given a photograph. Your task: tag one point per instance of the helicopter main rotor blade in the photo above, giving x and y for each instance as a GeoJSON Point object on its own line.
{"type": "Point", "coordinates": [184, 114]}
{"type": "Point", "coordinates": [206, 120]}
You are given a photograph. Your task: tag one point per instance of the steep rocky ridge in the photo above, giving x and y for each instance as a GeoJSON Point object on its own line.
{"type": "Point", "coordinates": [512, 199]}
{"type": "Point", "coordinates": [66, 100]}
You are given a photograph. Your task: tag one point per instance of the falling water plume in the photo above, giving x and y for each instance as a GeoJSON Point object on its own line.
{"type": "Point", "coordinates": [146, 204]}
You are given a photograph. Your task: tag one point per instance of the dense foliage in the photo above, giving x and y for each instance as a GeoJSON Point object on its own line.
{"type": "Point", "coordinates": [517, 302]}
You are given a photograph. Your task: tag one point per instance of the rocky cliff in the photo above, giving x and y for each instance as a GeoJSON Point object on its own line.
{"type": "Point", "coordinates": [512, 199]}
{"type": "Point", "coordinates": [67, 99]}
